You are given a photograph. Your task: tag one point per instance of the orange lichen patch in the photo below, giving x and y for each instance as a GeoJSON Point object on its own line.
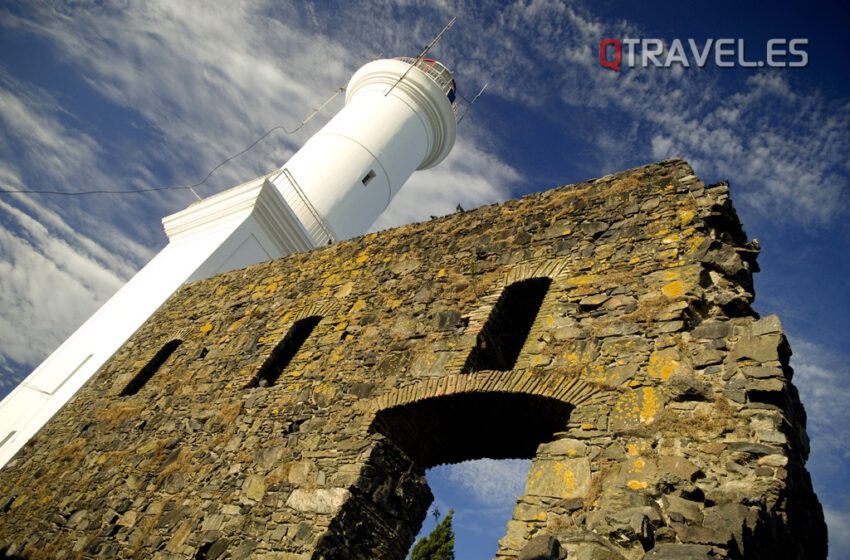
{"type": "Point", "coordinates": [693, 244]}
{"type": "Point", "coordinates": [686, 217]}
{"type": "Point", "coordinates": [674, 289]}
{"type": "Point", "coordinates": [636, 484]}
{"type": "Point", "coordinates": [650, 405]}
{"type": "Point", "coordinates": [636, 407]}
{"type": "Point", "coordinates": [664, 363]}
{"type": "Point", "coordinates": [358, 306]}
{"type": "Point", "coordinates": [582, 280]}
{"type": "Point", "coordinates": [206, 328]}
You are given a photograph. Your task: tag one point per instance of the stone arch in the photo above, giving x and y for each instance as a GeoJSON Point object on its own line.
{"type": "Point", "coordinates": [322, 309]}
{"type": "Point", "coordinates": [552, 383]}
{"type": "Point", "coordinates": [453, 418]}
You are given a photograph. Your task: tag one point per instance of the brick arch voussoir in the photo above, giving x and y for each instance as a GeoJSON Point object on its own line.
{"type": "Point", "coordinates": [551, 383]}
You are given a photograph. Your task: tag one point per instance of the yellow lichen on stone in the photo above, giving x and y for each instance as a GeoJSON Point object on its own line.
{"type": "Point", "coordinates": [674, 289]}
{"type": "Point", "coordinates": [669, 253]}
{"type": "Point", "coordinates": [636, 484]}
{"type": "Point", "coordinates": [19, 501]}
{"type": "Point", "coordinates": [632, 450]}
{"type": "Point", "coordinates": [686, 217]}
{"type": "Point", "coordinates": [568, 477]}
{"type": "Point", "coordinates": [206, 328]}
{"type": "Point", "coordinates": [582, 280]}
{"type": "Point", "coordinates": [332, 279]}
{"type": "Point", "coordinates": [587, 426]}
{"type": "Point", "coordinates": [358, 305]}
{"type": "Point", "coordinates": [538, 360]}
{"type": "Point", "coordinates": [441, 273]}
{"type": "Point", "coordinates": [693, 244]}
{"type": "Point", "coordinates": [362, 257]}
{"type": "Point", "coordinates": [662, 364]}
{"type": "Point", "coordinates": [649, 405]}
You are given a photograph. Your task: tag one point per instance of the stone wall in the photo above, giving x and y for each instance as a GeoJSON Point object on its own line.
{"type": "Point", "coordinates": [307, 396]}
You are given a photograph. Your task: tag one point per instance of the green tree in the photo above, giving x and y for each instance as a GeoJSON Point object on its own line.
{"type": "Point", "coordinates": [439, 545]}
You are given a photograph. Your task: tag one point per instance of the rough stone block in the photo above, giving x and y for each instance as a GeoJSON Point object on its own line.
{"type": "Point", "coordinates": [680, 552]}
{"type": "Point", "coordinates": [766, 325]}
{"type": "Point", "coordinates": [559, 478]}
{"type": "Point", "coordinates": [541, 547]}
{"type": "Point", "coordinates": [758, 348]}
{"type": "Point", "coordinates": [318, 501]}
{"type": "Point", "coordinates": [679, 467]}
{"type": "Point", "coordinates": [566, 447]}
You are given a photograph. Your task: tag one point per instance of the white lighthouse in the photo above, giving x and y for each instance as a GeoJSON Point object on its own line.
{"type": "Point", "coordinates": [399, 116]}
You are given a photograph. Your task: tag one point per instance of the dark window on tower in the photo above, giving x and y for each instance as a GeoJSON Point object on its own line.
{"type": "Point", "coordinates": [503, 335]}
{"type": "Point", "coordinates": [284, 352]}
{"type": "Point", "coordinates": [368, 177]}
{"type": "Point", "coordinates": [150, 368]}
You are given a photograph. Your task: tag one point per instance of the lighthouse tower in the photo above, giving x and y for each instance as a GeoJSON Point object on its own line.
{"type": "Point", "coordinates": [399, 116]}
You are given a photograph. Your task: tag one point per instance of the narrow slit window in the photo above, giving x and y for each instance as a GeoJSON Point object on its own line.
{"type": "Point", "coordinates": [284, 352]}
{"type": "Point", "coordinates": [500, 341]}
{"type": "Point", "coordinates": [368, 177]}
{"type": "Point", "coordinates": [150, 368]}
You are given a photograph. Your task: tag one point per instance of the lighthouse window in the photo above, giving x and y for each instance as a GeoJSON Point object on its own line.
{"type": "Point", "coordinates": [284, 352]}
{"type": "Point", "coordinates": [368, 178]}
{"type": "Point", "coordinates": [150, 368]}
{"type": "Point", "coordinates": [500, 340]}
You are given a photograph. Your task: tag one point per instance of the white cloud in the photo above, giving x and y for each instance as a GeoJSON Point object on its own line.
{"type": "Point", "coordinates": [197, 85]}
{"type": "Point", "coordinates": [492, 483]}
{"type": "Point", "coordinates": [469, 177]}
{"type": "Point", "coordinates": [839, 532]}
{"type": "Point", "coordinates": [48, 284]}
{"type": "Point", "coordinates": [821, 377]}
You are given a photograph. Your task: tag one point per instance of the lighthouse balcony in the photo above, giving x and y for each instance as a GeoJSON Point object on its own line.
{"type": "Point", "coordinates": [439, 74]}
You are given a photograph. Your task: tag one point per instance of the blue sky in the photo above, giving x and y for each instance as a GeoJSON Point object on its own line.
{"type": "Point", "coordinates": [108, 96]}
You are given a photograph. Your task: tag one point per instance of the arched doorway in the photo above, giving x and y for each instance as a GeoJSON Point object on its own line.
{"type": "Point", "coordinates": [391, 498]}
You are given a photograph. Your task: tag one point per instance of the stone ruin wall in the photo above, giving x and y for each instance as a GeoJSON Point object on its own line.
{"type": "Point", "coordinates": [658, 409]}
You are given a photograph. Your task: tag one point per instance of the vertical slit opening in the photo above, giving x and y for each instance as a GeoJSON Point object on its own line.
{"type": "Point", "coordinates": [368, 177]}
{"type": "Point", "coordinates": [500, 341]}
{"type": "Point", "coordinates": [148, 371]}
{"type": "Point", "coordinates": [285, 350]}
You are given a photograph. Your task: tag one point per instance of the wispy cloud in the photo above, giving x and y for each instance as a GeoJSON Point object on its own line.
{"type": "Point", "coordinates": [469, 177]}
{"type": "Point", "coordinates": [839, 532]}
{"type": "Point", "coordinates": [821, 376]}
{"type": "Point", "coordinates": [494, 484]}
{"type": "Point", "coordinates": [192, 87]}
{"type": "Point", "coordinates": [49, 283]}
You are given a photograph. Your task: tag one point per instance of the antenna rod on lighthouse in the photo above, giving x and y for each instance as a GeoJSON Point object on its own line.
{"type": "Point", "coordinates": [421, 55]}
{"type": "Point", "coordinates": [471, 103]}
